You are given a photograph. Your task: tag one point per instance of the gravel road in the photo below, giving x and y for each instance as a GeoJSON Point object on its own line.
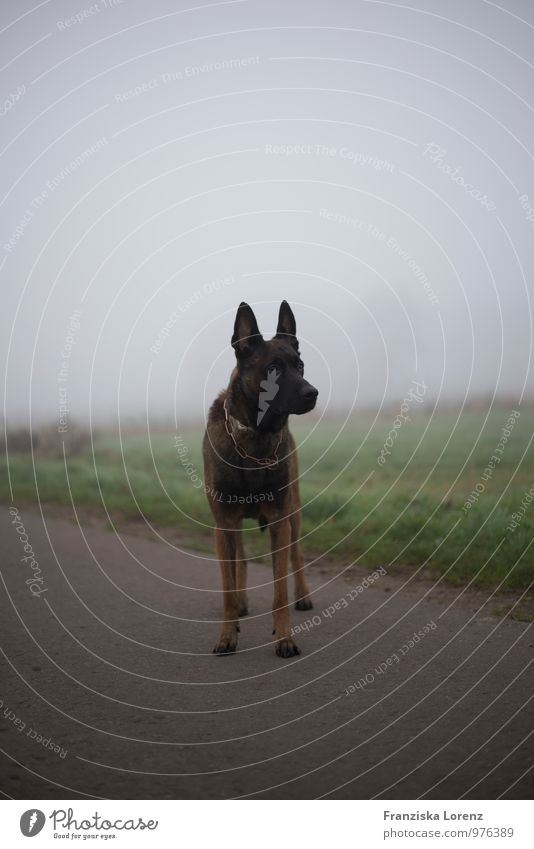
{"type": "Point", "coordinates": [110, 689]}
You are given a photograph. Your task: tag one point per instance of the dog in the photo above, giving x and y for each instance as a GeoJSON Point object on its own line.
{"type": "Point", "coordinates": [251, 470]}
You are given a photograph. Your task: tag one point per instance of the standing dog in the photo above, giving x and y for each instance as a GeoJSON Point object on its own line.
{"type": "Point", "coordinates": [251, 471]}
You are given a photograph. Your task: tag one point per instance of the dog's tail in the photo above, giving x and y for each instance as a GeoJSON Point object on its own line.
{"type": "Point", "coordinates": [262, 522]}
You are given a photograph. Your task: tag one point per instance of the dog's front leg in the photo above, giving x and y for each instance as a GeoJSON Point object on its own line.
{"type": "Point", "coordinates": [280, 541]}
{"type": "Point", "coordinates": [241, 577]}
{"type": "Point", "coordinates": [225, 541]}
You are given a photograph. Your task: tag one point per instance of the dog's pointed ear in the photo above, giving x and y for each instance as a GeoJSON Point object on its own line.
{"type": "Point", "coordinates": [287, 326]}
{"type": "Point", "coordinates": [246, 336]}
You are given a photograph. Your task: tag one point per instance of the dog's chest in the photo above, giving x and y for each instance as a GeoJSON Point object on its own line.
{"type": "Point", "coordinates": [255, 485]}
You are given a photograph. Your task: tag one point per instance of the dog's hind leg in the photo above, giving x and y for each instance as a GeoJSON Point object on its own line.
{"type": "Point", "coordinates": [226, 543]}
{"type": "Point", "coordinates": [241, 576]}
{"type": "Point", "coordinates": [302, 593]}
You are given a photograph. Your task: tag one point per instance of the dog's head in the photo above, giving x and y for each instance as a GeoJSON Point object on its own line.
{"type": "Point", "coordinates": [271, 373]}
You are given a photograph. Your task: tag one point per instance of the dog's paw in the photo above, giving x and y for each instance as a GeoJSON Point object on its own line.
{"type": "Point", "coordinates": [304, 603]}
{"type": "Point", "coordinates": [226, 645]}
{"type": "Point", "coordinates": [286, 648]}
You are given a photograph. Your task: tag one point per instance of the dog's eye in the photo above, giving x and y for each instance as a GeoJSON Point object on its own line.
{"type": "Point", "coordinates": [300, 367]}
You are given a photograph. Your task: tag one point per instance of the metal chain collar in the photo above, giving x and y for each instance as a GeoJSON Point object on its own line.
{"type": "Point", "coordinates": [266, 462]}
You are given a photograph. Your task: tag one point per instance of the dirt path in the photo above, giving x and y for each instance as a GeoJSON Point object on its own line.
{"type": "Point", "coordinates": [112, 666]}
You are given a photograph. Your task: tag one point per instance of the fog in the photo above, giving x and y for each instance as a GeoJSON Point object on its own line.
{"type": "Point", "coordinates": [369, 162]}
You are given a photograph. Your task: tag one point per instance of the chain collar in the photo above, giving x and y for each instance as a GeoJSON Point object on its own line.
{"type": "Point", "coordinates": [266, 462]}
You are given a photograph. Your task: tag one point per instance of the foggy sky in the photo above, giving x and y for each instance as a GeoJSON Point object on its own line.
{"type": "Point", "coordinates": [369, 162]}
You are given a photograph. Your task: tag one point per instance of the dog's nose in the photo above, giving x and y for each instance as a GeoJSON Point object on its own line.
{"type": "Point", "coordinates": [310, 393]}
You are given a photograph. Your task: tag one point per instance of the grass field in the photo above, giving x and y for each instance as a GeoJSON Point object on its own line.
{"type": "Point", "coordinates": [406, 513]}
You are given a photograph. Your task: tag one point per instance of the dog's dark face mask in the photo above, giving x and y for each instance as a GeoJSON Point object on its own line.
{"type": "Point", "coordinates": [271, 373]}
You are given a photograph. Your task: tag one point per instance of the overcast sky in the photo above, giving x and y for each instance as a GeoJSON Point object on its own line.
{"type": "Point", "coordinates": [370, 162]}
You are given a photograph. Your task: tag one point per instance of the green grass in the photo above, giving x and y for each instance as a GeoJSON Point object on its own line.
{"type": "Point", "coordinates": [408, 513]}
